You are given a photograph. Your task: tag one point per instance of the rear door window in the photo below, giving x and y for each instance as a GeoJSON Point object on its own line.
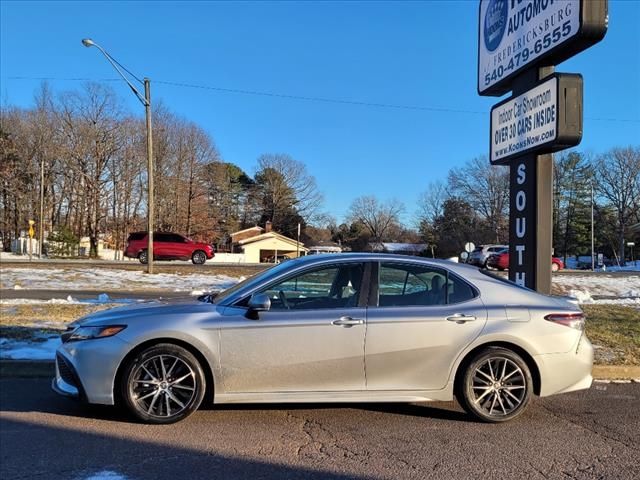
{"type": "Point", "coordinates": [420, 285]}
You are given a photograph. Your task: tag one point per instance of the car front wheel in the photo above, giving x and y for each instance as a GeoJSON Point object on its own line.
{"type": "Point", "coordinates": [496, 385]}
{"type": "Point", "coordinates": [198, 257]}
{"type": "Point", "coordinates": [163, 384]}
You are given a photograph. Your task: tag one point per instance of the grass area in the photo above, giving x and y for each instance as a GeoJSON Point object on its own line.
{"type": "Point", "coordinates": [27, 314]}
{"type": "Point", "coordinates": [616, 331]}
{"type": "Point", "coordinates": [24, 322]}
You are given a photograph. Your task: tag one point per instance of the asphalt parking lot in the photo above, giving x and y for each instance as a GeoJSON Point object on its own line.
{"type": "Point", "coordinates": [592, 434]}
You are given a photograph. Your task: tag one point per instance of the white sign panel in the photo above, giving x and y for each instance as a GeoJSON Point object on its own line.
{"type": "Point", "coordinates": [525, 122]}
{"type": "Point", "coordinates": [514, 33]}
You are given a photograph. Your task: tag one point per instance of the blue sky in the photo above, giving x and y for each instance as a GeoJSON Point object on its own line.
{"type": "Point", "coordinates": [415, 53]}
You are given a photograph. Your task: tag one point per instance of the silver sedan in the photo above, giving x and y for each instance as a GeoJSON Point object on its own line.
{"type": "Point", "coordinates": [333, 328]}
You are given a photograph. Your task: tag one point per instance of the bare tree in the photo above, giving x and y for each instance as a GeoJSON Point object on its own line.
{"type": "Point", "coordinates": [287, 184]}
{"type": "Point", "coordinates": [431, 202]}
{"type": "Point", "coordinates": [486, 189]}
{"type": "Point", "coordinates": [89, 122]}
{"type": "Point", "coordinates": [617, 176]}
{"type": "Point", "coordinates": [379, 218]}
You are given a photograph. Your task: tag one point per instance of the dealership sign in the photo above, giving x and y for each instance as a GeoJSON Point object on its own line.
{"type": "Point", "coordinates": [516, 34]}
{"type": "Point", "coordinates": [545, 119]}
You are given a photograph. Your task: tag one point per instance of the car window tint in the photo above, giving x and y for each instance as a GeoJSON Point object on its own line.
{"type": "Point", "coordinates": [411, 285]}
{"type": "Point", "coordinates": [173, 237]}
{"type": "Point", "coordinates": [323, 288]}
{"type": "Point", "coordinates": [459, 290]}
{"type": "Point", "coordinates": [161, 237]}
{"type": "Point", "coordinates": [136, 236]}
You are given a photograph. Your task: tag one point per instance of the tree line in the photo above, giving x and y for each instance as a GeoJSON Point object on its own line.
{"type": "Point", "coordinates": [92, 153]}
{"type": "Point", "coordinates": [472, 205]}
{"type": "Point", "coordinates": [93, 156]}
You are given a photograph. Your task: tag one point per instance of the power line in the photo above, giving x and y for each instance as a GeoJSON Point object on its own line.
{"type": "Point", "coordinates": [305, 98]}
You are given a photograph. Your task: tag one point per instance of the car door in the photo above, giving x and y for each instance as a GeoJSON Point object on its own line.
{"type": "Point", "coordinates": [420, 319]}
{"type": "Point", "coordinates": [179, 247]}
{"type": "Point", "coordinates": [160, 243]}
{"type": "Point", "coordinates": [311, 339]}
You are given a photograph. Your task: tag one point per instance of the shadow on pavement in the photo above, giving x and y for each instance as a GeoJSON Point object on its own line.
{"type": "Point", "coordinates": [35, 450]}
{"type": "Point", "coordinates": [35, 395]}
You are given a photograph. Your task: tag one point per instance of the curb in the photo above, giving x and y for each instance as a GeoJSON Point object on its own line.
{"type": "Point", "coordinates": [46, 368]}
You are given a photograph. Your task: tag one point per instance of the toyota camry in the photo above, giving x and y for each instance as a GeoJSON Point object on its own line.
{"type": "Point", "coordinates": [333, 328]}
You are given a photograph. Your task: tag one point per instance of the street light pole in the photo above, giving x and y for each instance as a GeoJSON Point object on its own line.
{"type": "Point", "coordinates": [146, 101]}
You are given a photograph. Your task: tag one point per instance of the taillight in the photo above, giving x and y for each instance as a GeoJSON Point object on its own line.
{"type": "Point", "coordinates": [573, 320]}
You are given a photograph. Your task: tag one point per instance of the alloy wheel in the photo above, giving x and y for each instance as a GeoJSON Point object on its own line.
{"type": "Point", "coordinates": [199, 258]}
{"type": "Point", "coordinates": [163, 386]}
{"type": "Point", "coordinates": [499, 386]}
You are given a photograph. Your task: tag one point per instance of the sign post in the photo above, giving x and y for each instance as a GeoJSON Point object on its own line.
{"type": "Point", "coordinates": [31, 235]}
{"type": "Point", "coordinates": [519, 44]}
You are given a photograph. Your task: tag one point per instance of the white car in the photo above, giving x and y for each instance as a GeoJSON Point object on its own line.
{"type": "Point", "coordinates": [482, 253]}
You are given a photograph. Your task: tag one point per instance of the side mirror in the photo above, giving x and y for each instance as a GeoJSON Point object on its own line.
{"type": "Point", "coordinates": [259, 302]}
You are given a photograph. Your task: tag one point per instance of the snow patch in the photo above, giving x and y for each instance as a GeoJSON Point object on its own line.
{"type": "Point", "coordinates": [78, 278]}
{"type": "Point", "coordinates": [103, 298]}
{"type": "Point", "coordinates": [581, 296]}
{"type": "Point", "coordinates": [26, 350]}
{"type": "Point", "coordinates": [103, 475]}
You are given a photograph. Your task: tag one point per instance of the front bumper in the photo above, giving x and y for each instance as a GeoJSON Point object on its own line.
{"type": "Point", "coordinates": [86, 369]}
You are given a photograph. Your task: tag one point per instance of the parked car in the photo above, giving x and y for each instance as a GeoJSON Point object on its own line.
{"type": "Point", "coordinates": [168, 246]}
{"type": "Point", "coordinates": [501, 262]}
{"type": "Point", "coordinates": [306, 330]}
{"type": "Point", "coordinates": [481, 254]}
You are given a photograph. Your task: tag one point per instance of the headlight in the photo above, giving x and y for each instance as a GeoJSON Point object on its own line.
{"type": "Point", "coordinates": [87, 333]}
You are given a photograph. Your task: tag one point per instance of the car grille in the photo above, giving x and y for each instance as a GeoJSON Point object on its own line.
{"type": "Point", "coordinates": [66, 371]}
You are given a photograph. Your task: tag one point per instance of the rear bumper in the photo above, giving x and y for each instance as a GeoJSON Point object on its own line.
{"type": "Point", "coordinates": [566, 372]}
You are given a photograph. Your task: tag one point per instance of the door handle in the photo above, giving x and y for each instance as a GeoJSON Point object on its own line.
{"type": "Point", "coordinates": [461, 318]}
{"type": "Point", "coordinates": [348, 322]}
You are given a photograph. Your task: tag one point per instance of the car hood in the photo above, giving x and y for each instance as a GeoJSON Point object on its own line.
{"type": "Point", "coordinates": [147, 311]}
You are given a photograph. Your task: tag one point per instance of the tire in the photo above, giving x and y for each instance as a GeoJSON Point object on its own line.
{"type": "Point", "coordinates": [152, 393]}
{"type": "Point", "coordinates": [496, 386]}
{"type": "Point", "coordinates": [554, 267]}
{"type": "Point", "coordinates": [143, 257]}
{"type": "Point", "coordinates": [198, 257]}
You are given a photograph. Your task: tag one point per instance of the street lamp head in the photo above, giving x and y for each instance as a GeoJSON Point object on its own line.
{"type": "Point", "coordinates": [87, 42]}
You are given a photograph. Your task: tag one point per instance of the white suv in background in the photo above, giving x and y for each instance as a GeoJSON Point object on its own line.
{"type": "Point", "coordinates": [482, 253]}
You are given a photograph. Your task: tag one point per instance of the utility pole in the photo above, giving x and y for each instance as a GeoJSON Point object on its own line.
{"type": "Point", "coordinates": [150, 195]}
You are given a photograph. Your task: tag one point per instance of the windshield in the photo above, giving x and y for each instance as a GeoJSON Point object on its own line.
{"type": "Point", "coordinates": [254, 279]}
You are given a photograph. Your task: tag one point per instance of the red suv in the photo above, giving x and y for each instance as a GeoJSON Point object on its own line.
{"type": "Point", "coordinates": [168, 246]}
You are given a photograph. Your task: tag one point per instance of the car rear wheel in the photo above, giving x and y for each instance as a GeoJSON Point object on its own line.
{"type": "Point", "coordinates": [496, 385]}
{"type": "Point", "coordinates": [143, 257]}
{"type": "Point", "coordinates": [198, 257]}
{"type": "Point", "coordinates": [163, 384]}
{"type": "Point", "coordinates": [554, 267]}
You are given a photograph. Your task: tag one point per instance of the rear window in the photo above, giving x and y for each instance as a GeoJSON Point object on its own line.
{"type": "Point", "coordinates": [136, 236]}
{"type": "Point", "coordinates": [503, 279]}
